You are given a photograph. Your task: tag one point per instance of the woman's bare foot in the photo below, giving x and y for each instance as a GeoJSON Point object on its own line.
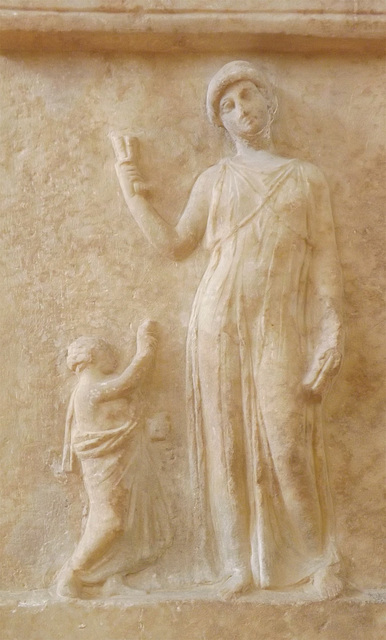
{"type": "Point", "coordinates": [114, 586]}
{"type": "Point", "coordinates": [235, 584]}
{"type": "Point", "coordinates": [328, 581]}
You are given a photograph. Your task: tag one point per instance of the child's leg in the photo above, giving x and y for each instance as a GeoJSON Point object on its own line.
{"type": "Point", "coordinates": [103, 526]}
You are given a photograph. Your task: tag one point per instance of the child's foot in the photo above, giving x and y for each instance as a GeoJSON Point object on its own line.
{"type": "Point", "coordinates": [114, 586]}
{"type": "Point", "coordinates": [328, 581]}
{"type": "Point", "coordinates": [68, 585]}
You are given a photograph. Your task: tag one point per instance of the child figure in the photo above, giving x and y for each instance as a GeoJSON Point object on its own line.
{"type": "Point", "coordinates": [127, 524]}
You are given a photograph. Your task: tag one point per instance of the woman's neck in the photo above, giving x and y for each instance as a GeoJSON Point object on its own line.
{"type": "Point", "coordinates": [249, 149]}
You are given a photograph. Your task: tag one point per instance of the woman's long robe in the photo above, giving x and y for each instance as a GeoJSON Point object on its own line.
{"type": "Point", "coordinates": [268, 303]}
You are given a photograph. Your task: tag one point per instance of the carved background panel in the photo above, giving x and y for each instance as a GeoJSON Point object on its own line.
{"type": "Point", "coordinates": [74, 262]}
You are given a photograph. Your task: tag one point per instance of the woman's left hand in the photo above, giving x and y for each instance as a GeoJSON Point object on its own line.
{"type": "Point", "coordinates": [322, 371]}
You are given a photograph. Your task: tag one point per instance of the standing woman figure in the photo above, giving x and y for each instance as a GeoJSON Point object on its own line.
{"type": "Point", "coordinates": [264, 343]}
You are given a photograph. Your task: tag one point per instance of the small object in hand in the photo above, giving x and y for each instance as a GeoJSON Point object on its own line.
{"type": "Point", "coordinates": [126, 149]}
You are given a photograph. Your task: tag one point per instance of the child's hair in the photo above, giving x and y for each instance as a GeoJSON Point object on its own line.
{"type": "Point", "coordinates": [84, 349]}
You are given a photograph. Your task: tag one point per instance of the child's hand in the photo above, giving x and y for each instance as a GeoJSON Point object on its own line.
{"type": "Point", "coordinates": [147, 335]}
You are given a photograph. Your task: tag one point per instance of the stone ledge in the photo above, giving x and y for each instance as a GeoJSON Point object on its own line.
{"type": "Point", "coordinates": [163, 31]}
{"type": "Point", "coordinates": [173, 6]}
{"type": "Point", "coordinates": [357, 618]}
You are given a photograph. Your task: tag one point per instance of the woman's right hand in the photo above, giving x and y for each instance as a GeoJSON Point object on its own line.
{"type": "Point", "coordinates": [133, 180]}
{"type": "Point", "coordinates": [126, 149]}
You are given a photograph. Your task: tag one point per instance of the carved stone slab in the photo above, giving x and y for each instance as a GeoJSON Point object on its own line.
{"type": "Point", "coordinates": [258, 477]}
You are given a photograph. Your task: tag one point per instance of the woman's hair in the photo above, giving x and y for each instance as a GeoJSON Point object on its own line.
{"type": "Point", "coordinates": [84, 349]}
{"type": "Point", "coordinates": [229, 74]}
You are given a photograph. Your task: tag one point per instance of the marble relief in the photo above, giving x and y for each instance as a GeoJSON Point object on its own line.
{"type": "Point", "coordinates": [264, 344]}
{"type": "Point", "coordinates": [220, 470]}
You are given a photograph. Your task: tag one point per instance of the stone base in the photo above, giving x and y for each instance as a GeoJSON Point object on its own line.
{"type": "Point", "coordinates": [164, 617]}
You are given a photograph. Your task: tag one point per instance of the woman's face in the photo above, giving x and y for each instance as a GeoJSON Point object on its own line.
{"type": "Point", "coordinates": [243, 110]}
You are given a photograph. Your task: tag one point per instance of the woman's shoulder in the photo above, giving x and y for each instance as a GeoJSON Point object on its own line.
{"type": "Point", "coordinates": [312, 173]}
{"type": "Point", "coordinates": [212, 172]}
{"type": "Point", "coordinates": [209, 177]}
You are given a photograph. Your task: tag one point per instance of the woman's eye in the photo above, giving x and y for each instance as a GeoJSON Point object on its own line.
{"type": "Point", "coordinates": [227, 106]}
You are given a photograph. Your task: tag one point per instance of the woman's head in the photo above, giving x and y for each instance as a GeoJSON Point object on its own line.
{"type": "Point", "coordinates": [241, 100]}
{"type": "Point", "coordinates": [87, 351]}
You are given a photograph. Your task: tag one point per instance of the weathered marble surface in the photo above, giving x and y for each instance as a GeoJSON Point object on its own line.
{"type": "Point", "coordinates": [71, 255]}
{"type": "Point", "coordinates": [171, 619]}
{"type": "Point", "coordinates": [73, 262]}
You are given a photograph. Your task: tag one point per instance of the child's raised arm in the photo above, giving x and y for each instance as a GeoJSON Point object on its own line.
{"type": "Point", "coordinates": [133, 375]}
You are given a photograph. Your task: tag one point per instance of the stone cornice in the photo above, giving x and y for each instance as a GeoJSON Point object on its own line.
{"type": "Point", "coordinates": [158, 30]}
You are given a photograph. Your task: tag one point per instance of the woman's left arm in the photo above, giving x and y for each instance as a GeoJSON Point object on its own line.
{"type": "Point", "coordinates": [325, 294]}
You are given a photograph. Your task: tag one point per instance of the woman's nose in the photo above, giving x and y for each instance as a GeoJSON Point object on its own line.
{"type": "Point", "coordinates": [242, 108]}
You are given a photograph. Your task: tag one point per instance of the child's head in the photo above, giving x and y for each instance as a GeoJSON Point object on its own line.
{"type": "Point", "coordinates": [91, 351]}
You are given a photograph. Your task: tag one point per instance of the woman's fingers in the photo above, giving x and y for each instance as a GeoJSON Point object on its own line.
{"type": "Point", "coordinates": [325, 368]}
{"type": "Point", "coordinates": [322, 374]}
{"type": "Point", "coordinates": [132, 177]}
{"type": "Point", "coordinates": [130, 169]}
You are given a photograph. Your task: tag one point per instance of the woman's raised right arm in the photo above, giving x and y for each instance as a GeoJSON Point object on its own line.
{"type": "Point", "coordinates": [175, 241]}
